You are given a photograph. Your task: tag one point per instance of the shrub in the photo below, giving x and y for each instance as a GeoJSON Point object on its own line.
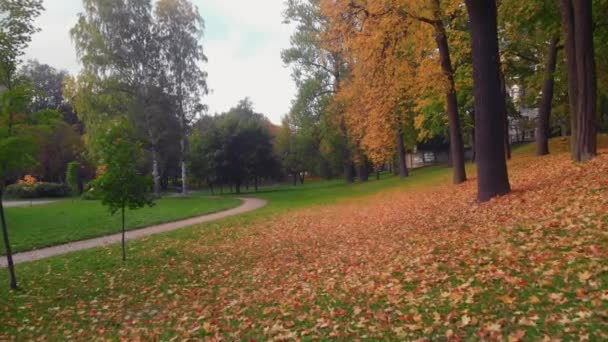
{"type": "Point", "coordinates": [36, 190]}
{"type": "Point", "coordinates": [73, 177]}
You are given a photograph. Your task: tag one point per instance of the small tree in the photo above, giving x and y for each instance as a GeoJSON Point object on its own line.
{"type": "Point", "coordinates": [120, 185]}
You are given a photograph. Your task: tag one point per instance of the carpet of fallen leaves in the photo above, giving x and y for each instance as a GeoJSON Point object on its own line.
{"type": "Point", "coordinates": [429, 263]}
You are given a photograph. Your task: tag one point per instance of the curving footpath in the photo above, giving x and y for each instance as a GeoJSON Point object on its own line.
{"type": "Point", "coordinates": [249, 204]}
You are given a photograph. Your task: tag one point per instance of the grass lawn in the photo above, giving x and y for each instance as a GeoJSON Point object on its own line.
{"type": "Point", "coordinates": [71, 220]}
{"type": "Point", "coordinates": [384, 260]}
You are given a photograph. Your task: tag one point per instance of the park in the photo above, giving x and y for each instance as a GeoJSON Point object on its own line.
{"type": "Point", "coordinates": [440, 172]}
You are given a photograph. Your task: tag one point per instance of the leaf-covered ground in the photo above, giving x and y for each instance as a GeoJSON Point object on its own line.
{"type": "Point", "coordinates": [425, 263]}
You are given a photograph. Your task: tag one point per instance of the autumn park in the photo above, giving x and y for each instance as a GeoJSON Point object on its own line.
{"type": "Point", "coordinates": [439, 171]}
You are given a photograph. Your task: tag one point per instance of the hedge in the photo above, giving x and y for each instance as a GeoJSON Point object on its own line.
{"type": "Point", "coordinates": [38, 190]}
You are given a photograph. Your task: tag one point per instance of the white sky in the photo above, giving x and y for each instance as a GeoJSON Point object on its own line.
{"type": "Point", "coordinates": [243, 41]}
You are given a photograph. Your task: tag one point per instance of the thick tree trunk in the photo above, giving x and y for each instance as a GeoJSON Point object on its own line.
{"type": "Point", "coordinates": [456, 144]}
{"type": "Point", "coordinates": [124, 250]}
{"type": "Point", "coordinates": [586, 140]}
{"type": "Point", "coordinates": [544, 115]}
{"type": "Point", "coordinates": [492, 174]}
{"type": "Point", "coordinates": [363, 172]}
{"type": "Point", "coordinates": [155, 172]}
{"type": "Point", "coordinates": [401, 155]}
{"type": "Point", "coordinates": [7, 248]}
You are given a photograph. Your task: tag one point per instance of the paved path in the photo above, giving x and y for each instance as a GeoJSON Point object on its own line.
{"type": "Point", "coordinates": [249, 204]}
{"type": "Point", "coordinates": [13, 204]}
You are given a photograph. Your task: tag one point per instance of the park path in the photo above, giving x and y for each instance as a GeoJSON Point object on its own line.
{"type": "Point", "coordinates": [14, 204]}
{"type": "Point", "coordinates": [249, 204]}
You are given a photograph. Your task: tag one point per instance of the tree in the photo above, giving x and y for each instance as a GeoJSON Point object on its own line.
{"type": "Point", "coordinates": [19, 130]}
{"type": "Point", "coordinates": [492, 174]}
{"type": "Point", "coordinates": [72, 177]}
{"type": "Point", "coordinates": [117, 78]}
{"type": "Point", "coordinates": [180, 27]}
{"type": "Point", "coordinates": [121, 186]}
{"type": "Point", "coordinates": [318, 68]}
{"type": "Point", "coordinates": [17, 141]}
{"type": "Point", "coordinates": [16, 30]}
{"type": "Point", "coordinates": [234, 147]}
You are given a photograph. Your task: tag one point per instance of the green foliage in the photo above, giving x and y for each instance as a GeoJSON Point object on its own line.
{"type": "Point", "coordinates": [72, 177]}
{"type": "Point", "coordinates": [233, 147]}
{"type": "Point", "coordinates": [20, 130]}
{"type": "Point", "coordinates": [121, 185]}
{"type": "Point", "coordinates": [16, 30]}
{"type": "Point", "coordinates": [37, 190]}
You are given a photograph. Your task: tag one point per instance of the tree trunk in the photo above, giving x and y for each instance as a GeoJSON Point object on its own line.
{"type": "Point", "coordinates": [544, 115]}
{"type": "Point", "coordinates": [401, 155]}
{"type": "Point", "coordinates": [255, 183]}
{"type": "Point", "coordinates": [493, 179]}
{"type": "Point", "coordinates": [473, 149]}
{"type": "Point", "coordinates": [586, 143]}
{"type": "Point", "coordinates": [210, 187]}
{"type": "Point", "coordinates": [378, 174]}
{"type": "Point", "coordinates": [348, 172]}
{"type": "Point", "coordinates": [7, 248]}
{"type": "Point", "coordinates": [295, 179]}
{"type": "Point", "coordinates": [124, 250]}
{"type": "Point", "coordinates": [302, 175]}
{"type": "Point", "coordinates": [567, 21]}
{"type": "Point", "coordinates": [155, 172]}
{"type": "Point", "coordinates": [456, 144]}
{"type": "Point", "coordinates": [363, 173]}
{"type": "Point", "coordinates": [237, 187]}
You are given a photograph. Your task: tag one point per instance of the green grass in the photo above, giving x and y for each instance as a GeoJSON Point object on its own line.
{"type": "Point", "coordinates": [317, 193]}
{"type": "Point", "coordinates": [72, 220]}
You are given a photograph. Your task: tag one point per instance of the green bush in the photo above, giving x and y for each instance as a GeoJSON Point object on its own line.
{"type": "Point", "coordinates": [73, 177]}
{"type": "Point", "coordinates": [38, 190]}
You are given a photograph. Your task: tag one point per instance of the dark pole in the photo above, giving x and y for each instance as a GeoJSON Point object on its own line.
{"type": "Point", "coordinates": [124, 252]}
{"type": "Point", "coordinates": [7, 248]}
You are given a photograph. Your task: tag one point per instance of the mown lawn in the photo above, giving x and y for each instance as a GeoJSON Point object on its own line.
{"type": "Point", "coordinates": [72, 220]}
{"type": "Point", "coordinates": [386, 260]}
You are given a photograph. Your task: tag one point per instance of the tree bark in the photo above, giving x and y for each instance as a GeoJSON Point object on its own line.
{"type": "Point", "coordinates": [124, 250]}
{"type": "Point", "coordinates": [7, 248]}
{"type": "Point", "coordinates": [456, 144]}
{"type": "Point", "coordinates": [155, 172]}
{"type": "Point", "coordinates": [492, 174]}
{"type": "Point", "coordinates": [255, 183]}
{"type": "Point", "coordinates": [401, 155]}
{"type": "Point", "coordinates": [544, 115]}
{"type": "Point", "coordinates": [586, 143]}
{"type": "Point", "coordinates": [567, 21]}
{"type": "Point", "coordinates": [295, 179]}
{"type": "Point", "coordinates": [348, 172]}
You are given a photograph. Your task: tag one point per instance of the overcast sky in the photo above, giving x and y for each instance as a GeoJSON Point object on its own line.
{"type": "Point", "coordinates": [243, 41]}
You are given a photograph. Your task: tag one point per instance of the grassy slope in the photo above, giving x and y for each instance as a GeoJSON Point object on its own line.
{"type": "Point", "coordinates": [72, 220]}
{"type": "Point", "coordinates": [92, 293]}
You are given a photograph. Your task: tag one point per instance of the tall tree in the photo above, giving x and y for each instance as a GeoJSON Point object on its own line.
{"type": "Point", "coordinates": [119, 78]}
{"type": "Point", "coordinates": [180, 28]}
{"type": "Point", "coordinates": [544, 113]}
{"type": "Point", "coordinates": [318, 68]}
{"type": "Point", "coordinates": [17, 145]}
{"type": "Point", "coordinates": [492, 174]}
{"type": "Point", "coordinates": [586, 140]}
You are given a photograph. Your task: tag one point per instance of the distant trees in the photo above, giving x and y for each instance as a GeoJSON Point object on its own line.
{"type": "Point", "coordinates": [233, 148]}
